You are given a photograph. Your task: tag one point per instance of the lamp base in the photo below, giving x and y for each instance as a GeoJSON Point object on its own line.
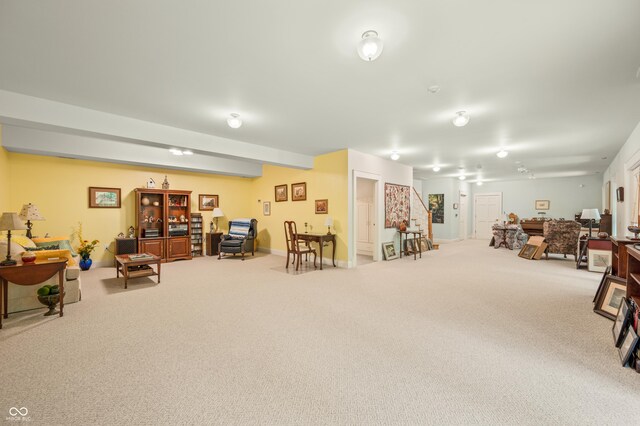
{"type": "Point", "coordinates": [328, 230]}
{"type": "Point", "coordinates": [8, 262]}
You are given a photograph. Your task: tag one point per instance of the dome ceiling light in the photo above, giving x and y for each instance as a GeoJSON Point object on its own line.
{"type": "Point", "coordinates": [502, 153]}
{"type": "Point", "coordinates": [479, 183]}
{"type": "Point", "coordinates": [370, 47]}
{"type": "Point", "coordinates": [461, 119]}
{"type": "Point", "coordinates": [176, 151]}
{"type": "Point", "coordinates": [234, 121]}
{"type": "Point", "coordinates": [462, 177]}
{"type": "Point", "coordinates": [436, 169]}
{"type": "Point", "coordinates": [395, 156]}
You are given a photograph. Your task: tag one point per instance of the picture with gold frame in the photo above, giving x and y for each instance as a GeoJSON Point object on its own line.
{"type": "Point", "coordinates": [281, 193]}
{"type": "Point", "coordinates": [299, 191]}
{"type": "Point", "coordinates": [322, 206]}
{"type": "Point", "coordinates": [104, 198]}
{"type": "Point", "coordinates": [207, 202]}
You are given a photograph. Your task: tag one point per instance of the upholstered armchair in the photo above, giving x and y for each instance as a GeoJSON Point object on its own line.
{"type": "Point", "coordinates": [562, 237]}
{"type": "Point", "coordinates": [240, 239]}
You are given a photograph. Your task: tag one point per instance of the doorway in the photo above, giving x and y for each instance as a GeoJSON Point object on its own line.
{"type": "Point", "coordinates": [462, 216]}
{"type": "Point", "coordinates": [487, 211]}
{"type": "Point", "coordinates": [365, 219]}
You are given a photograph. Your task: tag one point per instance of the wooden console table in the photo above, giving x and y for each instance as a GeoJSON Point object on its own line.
{"type": "Point", "coordinates": [406, 233]}
{"type": "Point", "coordinates": [30, 274]}
{"type": "Point", "coordinates": [321, 239]}
{"type": "Point", "coordinates": [137, 268]}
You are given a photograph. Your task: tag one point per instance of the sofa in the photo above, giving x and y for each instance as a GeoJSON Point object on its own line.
{"type": "Point", "coordinates": [23, 298]}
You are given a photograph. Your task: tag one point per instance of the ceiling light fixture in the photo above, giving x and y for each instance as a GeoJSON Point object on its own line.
{"type": "Point", "coordinates": [234, 121]}
{"type": "Point", "coordinates": [370, 47]}
{"type": "Point", "coordinates": [433, 89]}
{"type": "Point", "coordinates": [479, 183]}
{"type": "Point", "coordinates": [502, 154]}
{"type": "Point", "coordinates": [395, 156]}
{"type": "Point", "coordinates": [436, 169]}
{"type": "Point", "coordinates": [461, 119]}
{"type": "Point", "coordinates": [175, 151]}
{"type": "Point", "coordinates": [187, 152]}
{"type": "Point", "coordinates": [462, 177]}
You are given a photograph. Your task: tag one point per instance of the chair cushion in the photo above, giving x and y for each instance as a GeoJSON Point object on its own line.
{"type": "Point", "coordinates": [232, 243]}
{"type": "Point", "coordinates": [239, 228]}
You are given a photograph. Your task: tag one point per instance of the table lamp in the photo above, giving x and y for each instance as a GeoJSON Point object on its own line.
{"type": "Point", "coordinates": [328, 222]}
{"type": "Point", "coordinates": [30, 212]}
{"type": "Point", "coordinates": [216, 214]}
{"type": "Point", "coordinates": [10, 222]}
{"type": "Point", "coordinates": [590, 214]}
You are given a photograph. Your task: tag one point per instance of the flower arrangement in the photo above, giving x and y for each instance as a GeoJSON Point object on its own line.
{"type": "Point", "coordinates": [85, 248]}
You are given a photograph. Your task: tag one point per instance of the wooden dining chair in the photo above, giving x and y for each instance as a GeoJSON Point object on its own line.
{"type": "Point", "coordinates": [294, 245]}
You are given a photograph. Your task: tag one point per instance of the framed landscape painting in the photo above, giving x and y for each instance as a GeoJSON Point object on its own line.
{"type": "Point", "coordinates": [207, 202]}
{"type": "Point", "coordinates": [436, 205]}
{"type": "Point", "coordinates": [104, 198]}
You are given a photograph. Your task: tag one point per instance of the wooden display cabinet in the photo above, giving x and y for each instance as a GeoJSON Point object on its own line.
{"type": "Point", "coordinates": [163, 222]}
{"type": "Point", "coordinates": [633, 275]}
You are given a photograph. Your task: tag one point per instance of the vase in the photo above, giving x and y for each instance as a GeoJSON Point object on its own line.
{"type": "Point", "coordinates": [85, 263]}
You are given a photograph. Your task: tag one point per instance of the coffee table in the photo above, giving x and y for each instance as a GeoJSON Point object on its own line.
{"type": "Point", "coordinates": [132, 266]}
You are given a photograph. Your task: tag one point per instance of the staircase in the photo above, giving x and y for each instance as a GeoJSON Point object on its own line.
{"type": "Point", "coordinates": [422, 214]}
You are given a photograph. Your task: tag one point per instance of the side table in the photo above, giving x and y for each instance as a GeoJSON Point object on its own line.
{"type": "Point", "coordinates": [213, 240]}
{"type": "Point", "coordinates": [419, 237]}
{"type": "Point", "coordinates": [30, 274]}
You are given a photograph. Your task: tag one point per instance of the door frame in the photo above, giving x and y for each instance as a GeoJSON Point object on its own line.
{"type": "Point", "coordinates": [462, 225]}
{"type": "Point", "coordinates": [376, 213]}
{"type": "Point", "coordinates": [475, 218]}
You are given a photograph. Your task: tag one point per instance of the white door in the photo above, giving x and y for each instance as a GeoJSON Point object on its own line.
{"type": "Point", "coordinates": [488, 210]}
{"type": "Point", "coordinates": [365, 228]}
{"type": "Point", "coordinates": [462, 216]}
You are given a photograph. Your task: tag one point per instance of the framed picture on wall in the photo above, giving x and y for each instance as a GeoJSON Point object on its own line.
{"type": "Point", "coordinates": [281, 193]}
{"type": "Point", "coordinates": [322, 206]}
{"type": "Point", "coordinates": [207, 202]}
{"type": "Point", "coordinates": [620, 194]}
{"type": "Point", "coordinates": [104, 198]}
{"type": "Point", "coordinates": [299, 191]}
{"type": "Point", "coordinates": [266, 208]}
{"type": "Point", "coordinates": [542, 204]}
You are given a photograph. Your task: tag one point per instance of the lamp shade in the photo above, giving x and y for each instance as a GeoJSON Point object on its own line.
{"type": "Point", "coordinates": [217, 212]}
{"type": "Point", "coordinates": [328, 221]}
{"type": "Point", "coordinates": [590, 214]}
{"type": "Point", "coordinates": [10, 222]}
{"type": "Point", "coordinates": [30, 212]}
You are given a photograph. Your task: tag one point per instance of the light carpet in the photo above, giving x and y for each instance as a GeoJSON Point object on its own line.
{"type": "Point", "coordinates": [466, 335]}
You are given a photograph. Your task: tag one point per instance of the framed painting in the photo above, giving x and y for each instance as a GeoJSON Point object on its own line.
{"type": "Point", "coordinates": [528, 251]}
{"type": "Point", "coordinates": [396, 204]}
{"type": "Point", "coordinates": [613, 291]}
{"type": "Point", "coordinates": [628, 345]}
{"type": "Point", "coordinates": [389, 251]}
{"type": "Point", "coordinates": [409, 246]}
{"type": "Point", "coordinates": [266, 208]}
{"type": "Point", "coordinates": [104, 198]}
{"type": "Point", "coordinates": [601, 285]}
{"type": "Point", "coordinates": [599, 260]}
{"type": "Point", "coordinates": [423, 244]}
{"type": "Point", "coordinates": [299, 191]}
{"type": "Point", "coordinates": [322, 206]}
{"type": "Point", "coordinates": [542, 204]}
{"type": "Point", "coordinates": [436, 205]}
{"type": "Point", "coordinates": [281, 193]}
{"type": "Point", "coordinates": [207, 202]}
{"type": "Point", "coordinates": [621, 323]}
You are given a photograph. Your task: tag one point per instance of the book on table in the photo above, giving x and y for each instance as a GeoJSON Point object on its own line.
{"type": "Point", "coordinates": [140, 256]}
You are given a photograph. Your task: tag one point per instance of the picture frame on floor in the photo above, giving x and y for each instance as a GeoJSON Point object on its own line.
{"type": "Point", "coordinates": [599, 260]}
{"type": "Point", "coordinates": [601, 285]}
{"type": "Point", "coordinates": [614, 290]}
{"type": "Point", "coordinates": [423, 244]}
{"type": "Point", "coordinates": [409, 248]}
{"type": "Point", "coordinates": [621, 323]}
{"type": "Point", "coordinates": [628, 346]}
{"type": "Point", "coordinates": [528, 251]}
{"type": "Point", "coordinates": [389, 251]}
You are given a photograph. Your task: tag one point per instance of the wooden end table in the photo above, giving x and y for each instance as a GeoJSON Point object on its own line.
{"type": "Point", "coordinates": [417, 236]}
{"type": "Point", "coordinates": [30, 274]}
{"type": "Point", "coordinates": [137, 267]}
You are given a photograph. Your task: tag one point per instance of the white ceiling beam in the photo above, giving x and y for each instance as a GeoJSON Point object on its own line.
{"type": "Point", "coordinates": [32, 141]}
{"type": "Point", "coordinates": [29, 111]}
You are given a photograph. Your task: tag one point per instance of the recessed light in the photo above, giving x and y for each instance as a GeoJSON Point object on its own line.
{"type": "Point", "coordinates": [175, 151]}
{"type": "Point", "coordinates": [395, 156]}
{"type": "Point", "coordinates": [463, 177]}
{"type": "Point", "coordinates": [234, 121]}
{"type": "Point", "coordinates": [502, 153]}
{"type": "Point", "coordinates": [461, 119]}
{"type": "Point", "coordinates": [187, 152]}
{"type": "Point", "coordinates": [436, 169]}
{"type": "Point", "coordinates": [604, 158]}
{"type": "Point", "coordinates": [479, 183]}
{"type": "Point", "coordinates": [433, 89]}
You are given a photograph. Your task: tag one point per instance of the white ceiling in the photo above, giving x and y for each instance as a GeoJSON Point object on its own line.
{"type": "Point", "coordinates": [553, 82]}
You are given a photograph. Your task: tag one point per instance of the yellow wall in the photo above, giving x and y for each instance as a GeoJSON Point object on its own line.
{"type": "Point", "coordinates": [327, 180]}
{"type": "Point", "coordinates": [4, 177]}
{"type": "Point", "coordinates": [59, 187]}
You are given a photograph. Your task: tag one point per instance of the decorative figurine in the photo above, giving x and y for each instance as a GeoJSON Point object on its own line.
{"type": "Point", "coordinates": [151, 183]}
{"type": "Point", "coordinates": [165, 184]}
{"type": "Point", "coordinates": [121, 235]}
{"type": "Point", "coordinates": [132, 231]}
